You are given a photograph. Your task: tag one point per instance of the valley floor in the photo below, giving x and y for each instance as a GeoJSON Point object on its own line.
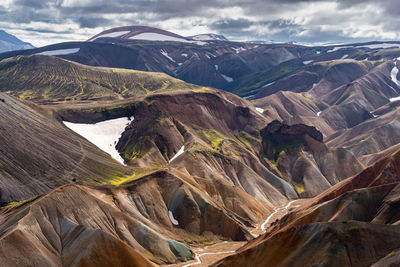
{"type": "Point", "coordinates": [208, 255]}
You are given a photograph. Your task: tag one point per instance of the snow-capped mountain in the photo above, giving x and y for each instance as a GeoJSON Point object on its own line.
{"type": "Point", "coordinates": [208, 37]}
{"type": "Point", "coordinates": [140, 33]}
{"type": "Point", "coordinates": [9, 42]}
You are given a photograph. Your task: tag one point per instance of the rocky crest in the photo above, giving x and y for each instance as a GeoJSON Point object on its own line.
{"type": "Point", "coordinates": [277, 137]}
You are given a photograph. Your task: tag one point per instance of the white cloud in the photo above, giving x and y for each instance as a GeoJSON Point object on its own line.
{"type": "Point", "coordinates": [43, 21]}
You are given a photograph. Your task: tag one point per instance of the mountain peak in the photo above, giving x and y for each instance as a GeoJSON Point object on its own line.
{"type": "Point", "coordinates": [140, 33]}
{"type": "Point", "coordinates": [208, 37]}
{"type": "Point", "coordinates": [9, 42]}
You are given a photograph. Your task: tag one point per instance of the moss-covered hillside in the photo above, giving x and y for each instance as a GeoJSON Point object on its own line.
{"type": "Point", "coordinates": [47, 79]}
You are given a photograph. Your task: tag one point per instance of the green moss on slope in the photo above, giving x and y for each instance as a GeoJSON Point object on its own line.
{"type": "Point", "coordinates": [47, 79]}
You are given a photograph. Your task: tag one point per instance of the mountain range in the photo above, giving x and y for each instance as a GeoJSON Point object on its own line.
{"type": "Point", "coordinates": [9, 42]}
{"type": "Point", "coordinates": [141, 147]}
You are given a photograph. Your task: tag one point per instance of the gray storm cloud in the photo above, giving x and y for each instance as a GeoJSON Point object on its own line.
{"type": "Point", "coordinates": [300, 20]}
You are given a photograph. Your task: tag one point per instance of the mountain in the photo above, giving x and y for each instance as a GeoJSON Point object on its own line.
{"type": "Point", "coordinates": [301, 157]}
{"type": "Point", "coordinates": [9, 42]}
{"type": "Point", "coordinates": [335, 223]}
{"type": "Point", "coordinates": [214, 176]}
{"type": "Point", "coordinates": [208, 37]}
{"type": "Point", "coordinates": [38, 153]}
{"type": "Point", "coordinates": [130, 150]}
{"type": "Point", "coordinates": [208, 63]}
{"type": "Point", "coordinates": [59, 80]}
{"type": "Point", "coordinates": [140, 33]}
{"type": "Point", "coordinates": [215, 64]}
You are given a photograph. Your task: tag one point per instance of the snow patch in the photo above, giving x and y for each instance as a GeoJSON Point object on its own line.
{"type": "Point", "coordinates": [318, 113]}
{"type": "Point", "coordinates": [261, 110]}
{"type": "Point", "coordinates": [247, 97]}
{"type": "Point", "coordinates": [59, 52]}
{"type": "Point", "coordinates": [318, 52]}
{"type": "Point", "coordinates": [152, 36]}
{"type": "Point", "coordinates": [216, 67]}
{"type": "Point", "coordinates": [172, 219]}
{"type": "Point", "coordinates": [383, 46]}
{"type": "Point", "coordinates": [199, 43]}
{"type": "Point", "coordinates": [165, 54]}
{"type": "Point", "coordinates": [394, 99]}
{"type": "Point", "coordinates": [113, 34]}
{"type": "Point", "coordinates": [307, 62]}
{"type": "Point", "coordinates": [393, 75]}
{"type": "Point", "coordinates": [238, 50]}
{"type": "Point", "coordinates": [338, 48]}
{"type": "Point", "coordinates": [208, 37]}
{"type": "Point", "coordinates": [344, 56]}
{"type": "Point", "coordinates": [227, 78]}
{"type": "Point", "coordinates": [180, 151]}
{"type": "Point", "coordinates": [268, 85]}
{"type": "Point", "coordinates": [184, 55]}
{"type": "Point", "coordinates": [104, 135]}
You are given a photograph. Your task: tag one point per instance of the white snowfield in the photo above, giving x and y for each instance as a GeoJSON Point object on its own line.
{"type": "Point", "coordinates": [171, 217]}
{"type": "Point", "coordinates": [393, 75]}
{"type": "Point", "coordinates": [338, 48]}
{"type": "Point", "coordinates": [206, 37]}
{"type": "Point", "coordinates": [113, 34]}
{"type": "Point", "coordinates": [261, 110]}
{"type": "Point", "coordinates": [165, 54]}
{"type": "Point", "coordinates": [227, 78]}
{"type": "Point", "coordinates": [371, 46]}
{"type": "Point", "coordinates": [394, 99]}
{"type": "Point", "coordinates": [203, 37]}
{"type": "Point", "coordinates": [104, 135]}
{"type": "Point", "coordinates": [238, 50]}
{"type": "Point", "coordinates": [268, 84]}
{"type": "Point", "coordinates": [59, 52]}
{"type": "Point", "coordinates": [308, 62]}
{"type": "Point", "coordinates": [383, 45]}
{"type": "Point", "coordinates": [152, 36]}
{"type": "Point", "coordinates": [180, 152]}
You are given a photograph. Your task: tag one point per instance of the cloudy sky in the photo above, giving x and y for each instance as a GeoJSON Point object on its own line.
{"type": "Point", "coordinates": [43, 22]}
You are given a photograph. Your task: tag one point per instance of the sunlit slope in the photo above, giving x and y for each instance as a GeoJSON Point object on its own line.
{"type": "Point", "coordinates": [38, 153]}
{"type": "Point", "coordinates": [47, 79]}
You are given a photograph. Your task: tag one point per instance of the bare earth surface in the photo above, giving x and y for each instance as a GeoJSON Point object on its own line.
{"type": "Point", "coordinates": [207, 255]}
{"type": "Point", "coordinates": [211, 254]}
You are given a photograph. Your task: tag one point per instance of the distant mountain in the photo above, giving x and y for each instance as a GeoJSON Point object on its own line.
{"type": "Point", "coordinates": [261, 42]}
{"type": "Point", "coordinates": [208, 37]}
{"type": "Point", "coordinates": [108, 159]}
{"type": "Point", "coordinates": [9, 42]}
{"type": "Point", "coordinates": [218, 64]}
{"type": "Point", "coordinates": [140, 33]}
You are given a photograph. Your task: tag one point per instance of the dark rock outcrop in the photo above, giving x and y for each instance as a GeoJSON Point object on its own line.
{"type": "Point", "coordinates": [277, 137]}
